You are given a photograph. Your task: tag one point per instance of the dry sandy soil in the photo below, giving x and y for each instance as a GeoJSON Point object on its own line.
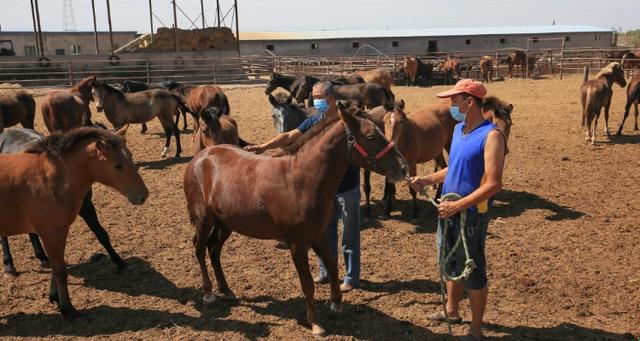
{"type": "Point", "coordinates": [562, 251]}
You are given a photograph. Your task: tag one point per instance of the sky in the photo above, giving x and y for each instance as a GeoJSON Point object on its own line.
{"type": "Point", "coordinates": [301, 15]}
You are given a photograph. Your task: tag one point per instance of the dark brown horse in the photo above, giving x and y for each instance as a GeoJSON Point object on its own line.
{"type": "Point", "coordinates": [596, 94]}
{"type": "Point", "coordinates": [65, 164]}
{"type": "Point", "coordinates": [17, 108]}
{"type": "Point", "coordinates": [633, 97]}
{"type": "Point", "coordinates": [630, 61]}
{"type": "Point", "coordinates": [519, 58]}
{"type": "Point", "coordinates": [378, 76]}
{"type": "Point", "coordinates": [369, 95]}
{"type": "Point", "coordinates": [140, 107]}
{"type": "Point", "coordinates": [253, 204]}
{"type": "Point", "coordinates": [215, 128]}
{"type": "Point", "coordinates": [68, 109]}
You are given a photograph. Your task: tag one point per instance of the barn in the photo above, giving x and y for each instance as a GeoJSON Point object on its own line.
{"type": "Point", "coordinates": [423, 41]}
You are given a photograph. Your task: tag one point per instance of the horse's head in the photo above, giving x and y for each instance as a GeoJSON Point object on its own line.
{"type": "Point", "coordinates": [499, 113]}
{"type": "Point", "coordinates": [281, 107]}
{"type": "Point", "coordinates": [394, 119]}
{"type": "Point", "coordinates": [210, 116]}
{"type": "Point", "coordinates": [99, 92]}
{"type": "Point", "coordinates": [85, 87]}
{"type": "Point", "coordinates": [368, 147]}
{"type": "Point", "coordinates": [273, 83]}
{"type": "Point", "coordinates": [613, 73]}
{"type": "Point", "coordinates": [115, 168]}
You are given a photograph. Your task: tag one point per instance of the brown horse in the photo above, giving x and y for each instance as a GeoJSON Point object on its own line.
{"type": "Point", "coordinates": [202, 97]}
{"type": "Point", "coordinates": [499, 112]}
{"type": "Point", "coordinates": [420, 136]}
{"type": "Point", "coordinates": [41, 191]}
{"type": "Point", "coordinates": [630, 61]}
{"type": "Point", "coordinates": [378, 75]}
{"type": "Point", "coordinates": [139, 107]}
{"type": "Point", "coordinates": [253, 204]}
{"type": "Point", "coordinates": [596, 94]}
{"type": "Point", "coordinates": [519, 58]}
{"type": "Point", "coordinates": [68, 109]}
{"type": "Point", "coordinates": [633, 96]}
{"type": "Point", "coordinates": [410, 70]}
{"type": "Point", "coordinates": [215, 129]}
{"type": "Point", "coordinates": [17, 108]}
{"type": "Point", "coordinates": [451, 68]}
{"type": "Point", "coordinates": [369, 95]}
{"type": "Point", "coordinates": [486, 68]}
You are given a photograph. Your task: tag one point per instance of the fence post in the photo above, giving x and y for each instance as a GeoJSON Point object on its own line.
{"type": "Point", "coordinates": [562, 60]}
{"type": "Point", "coordinates": [497, 63]}
{"type": "Point", "coordinates": [591, 59]}
{"type": "Point", "coordinates": [148, 72]}
{"type": "Point", "coordinates": [214, 69]}
{"type": "Point", "coordinates": [551, 62]}
{"type": "Point", "coordinates": [70, 74]}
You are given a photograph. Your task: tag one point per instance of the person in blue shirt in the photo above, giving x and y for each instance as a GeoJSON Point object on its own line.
{"type": "Point", "coordinates": [475, 172]}
{"type": "Point", "coordinates": [347, 203]}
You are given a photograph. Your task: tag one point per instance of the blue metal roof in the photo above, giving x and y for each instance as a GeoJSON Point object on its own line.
{"type": "Point", "coordinates": [421, 32]}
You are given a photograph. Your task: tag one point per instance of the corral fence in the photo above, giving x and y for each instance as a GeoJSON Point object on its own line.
{"type": "Point", "coordinates": [228, 68]}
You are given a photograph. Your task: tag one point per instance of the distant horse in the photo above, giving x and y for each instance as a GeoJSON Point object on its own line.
{"type": "Point", "coordinates": [369, 95]}
{"type": "Point", "coordinates": [287, 116]}
{"type": "Point", "coordinates": [596, 94]}
{"type": "Point", "coordinates": [299, 87]}
{"type": "Point", "coordinates": [633, 96]}
{"type": "Point", "coordinates": [215, 128]}
{"type": "Point", "coordinates": [451, 68]}
{"type": "Point", "coordinates": [131, 86]}
{"type": "Point", "coordinates": [486, 68]}
{"type": "Point", "coordinates": [416, 71]}
{"type": "Point", "coordinates": [140, 107]}
{"type": "Point", "coordinates": [630, 61]}
{"type": "Point", "coordinates": [519, 58]}
{"type": "Point", "coordinates": [378, 76]}
{"type": "Point", "coordinates": [18, 140]}
{"type": "Point", "coordinates": [66, 164]}
{"type": "Point", "coordinates": [68, 109]}
{"type": "Point", "coordinates": [220, 202]}
{"type": "Point", "coordinates": [17, 108]}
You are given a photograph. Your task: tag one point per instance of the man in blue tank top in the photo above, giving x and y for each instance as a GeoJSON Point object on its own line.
{"type": "Point", "coordinates": [475, 173]}
{"type": "Point", "coordinates": [347, 203]}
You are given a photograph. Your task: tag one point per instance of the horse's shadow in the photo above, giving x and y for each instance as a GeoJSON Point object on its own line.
{"type": "Point", "coordinates": [514, 203]}
{"type": "Point", "coordinates": [163, 163]}
{"type": "Point", "coordinates": [623, 139]}
{"type": "Point", "coordinates": [563, 331]}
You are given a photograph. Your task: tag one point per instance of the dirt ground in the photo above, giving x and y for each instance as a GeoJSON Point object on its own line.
{"type": "Point", "coordinates": [562, 252]}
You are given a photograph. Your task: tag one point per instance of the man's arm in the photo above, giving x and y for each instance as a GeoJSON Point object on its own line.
{"type": "Point", "coordinates": [277, 141]}
{"type": "Point", "coordinates": [493, 165]}
{"type": "Point", "coordinates": [419, 182]}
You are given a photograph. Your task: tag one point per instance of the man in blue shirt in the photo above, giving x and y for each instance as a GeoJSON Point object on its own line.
{"type": "Point", "coordinates": [347, 204]}
{"type": "Point", "coordinates": [475, 173]}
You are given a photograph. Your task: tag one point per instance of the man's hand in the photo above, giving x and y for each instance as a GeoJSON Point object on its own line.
{"type": "Point", "coordinates": [417, 183]}
{"type": "Point", "coordinates": [447, 209]}
{"type": "Point", "coordinates": [256, 148]}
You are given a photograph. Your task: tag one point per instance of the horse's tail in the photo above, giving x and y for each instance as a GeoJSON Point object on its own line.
{"type": "Point", "coordinates": [30, 106]}
{"type": "Point", "coordinates": [589, 106]}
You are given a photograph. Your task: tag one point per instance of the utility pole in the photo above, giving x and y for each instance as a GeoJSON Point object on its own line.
{"type": "Point", "coordinates": [110, 28]}
{"type": "Point", "coordinates": [39, 28]}
{"type": "Point", "coordinates": [202, 12]}
{"type": "Point", "coordinates": [175, 27]}
{"type": "Point", "coordinates": [35, 30]}
{"type": "Point", "coordinates": [95, 25]}
{"type": "Point", "coordinates": [151, 19]}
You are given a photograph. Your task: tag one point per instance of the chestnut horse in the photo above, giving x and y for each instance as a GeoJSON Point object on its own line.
{"type": "Point", "coordinates": [215, 128]}
{"type": "Point", "coordinates": [596, 94]}
{"type": "Point", "coordinates": [41, 191]}
{"type": "Point", "coordinates": [451, 68]}
{"type": "Point", "coordinates": [410, 68]}
{"type": "Point", "coordinates": [18, 140]}
{"type": "Point", "coordinates": [17, 108]}
{"type": "Point", "coordinates": [486, 68]}
{"type": "Point", "coordinates": [68, 109]}
{"type": "Point", "coordinates": [633, 96]}
{"type": "Point", "coordinates": [254, 204]}
{"type": "Point", "coordinates": [630, 61]}
{"type": "Point", "coordinates": [519, 58]}
{"type": "Point", "coordinates": [202, 97]}
{"type": "Point", "coordinates": [140, 107]}
{"type": "Point", "coordinates": [378, 75]}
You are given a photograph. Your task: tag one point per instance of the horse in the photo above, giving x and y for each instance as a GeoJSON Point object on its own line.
{"type": "Point", "coordinates": [202, 97]}
{"type": "Point", "coordinates": [18, 140]}
{"type": "Point", "coordinates": [252, 205]}
{"type": "Point", "coordinates": [633, 97]}
{"type": "Point", "coordinates": [410, 67]}
{"type": "Point", "coordinates": [68, 109]}
{"type": "Point", "coordinates": [140, 107]}
{"type": "Point", "coordinates": [42, 189]}
{"type": "Point", "coordinates": [131, 86]}
{"type": "Point", "coordinates": [451, 68]}
{"type": "Point", "coordinates": [369, 94]}
{"type": "Point", "coordinates": [486, 68]}
{"type": "Point", "coordinates": [519, 58]}
{"type": "Point", "coordinates": [287, 116]}
{"type": "Point", "coordinates": [630, 61]}
{"type": "Point", "coordinates": [596, 94]}
{"type": "Point", "coordinates": [351, 79]}
{"type": "Point", "coordinates": [299, 87]}
{"type": "Point", "coordinates": [499, 113]}
{"type": "Point", "coordinates": [216, 128]}
{"type": "Point", "coordinates": [17, 108]}
{"type": "Point", "coordinates": [378, 76]}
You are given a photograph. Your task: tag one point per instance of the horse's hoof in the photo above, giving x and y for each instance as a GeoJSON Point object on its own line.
{"type": "Point", "coordinates": [317, 331]}
{"type": "Point", "coordinates": [53, 298]}
{"type": "Point", "coordinates": [414, 221]}
{"type": "Point", "coordinates": [228, 295]}
{"type": "Point", "coordinates": [11, 271]}
{"type": "Point", "coordinates": [336, 307]}
{"type": "Point", "coordinates": [208, 298]}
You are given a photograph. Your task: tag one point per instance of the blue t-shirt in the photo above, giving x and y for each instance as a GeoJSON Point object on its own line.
{"type": "Point", "coordinates": [466, 162]}
{"type": "Point", "coordinates": [351, 179]}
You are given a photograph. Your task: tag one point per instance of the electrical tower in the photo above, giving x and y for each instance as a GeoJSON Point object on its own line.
{"type": "Point", "coordinates": [68, 17]}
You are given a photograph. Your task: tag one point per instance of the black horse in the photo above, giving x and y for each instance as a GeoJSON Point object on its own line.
{"type": "Point", "coordinates": [424, 73]}
{"type": "Point", "coordinates": [18, 140]}
{"type": "Point", "coordinates": [299, 87]}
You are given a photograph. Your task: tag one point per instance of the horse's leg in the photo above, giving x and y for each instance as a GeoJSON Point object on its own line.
{"type": "Point", "coordinates": [54, 245]}
{"type": "Point", "coordinates": [300, 256]}
{"type": "Point", "coordinates": [203, 231]}
{"type": "Point", "coordinates": [321, 248]}
{"type": "Point", "coordinates": [144, 128]}
{"type": "Point", "coordinates": [184, 118]}
{"type": "Point", "coordinates": [606, 119]}
{"type": "Point", "coordinates": [412, 173]}
{"type": "Point", "coordinates": [7, 260]}
{"type": "Point", "coordinates": [39, 252]}
{"type": "Point", "coordinates": [367, 190]}
{"type": "Point", "coordinates": [595, 126]}
{"type": "Point", "coordinates": [214, 245]}
{"type": "Point", "coordinates": [635, 105]}
{"type": "Point", "coordinates": [389, 195]}
{"type": "Point", "coordinates": [176, 133]}
{"type": "Point", "coordinates": [167, 135]}
{"type": "Point", "coordinates": [90, 217]}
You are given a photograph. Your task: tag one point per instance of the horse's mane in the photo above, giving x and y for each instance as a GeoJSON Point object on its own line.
{"type": "Point", "coordinates": [608, 70]}
{"type": "Point", "coordinates": [499, 107]}
{"type": "Point", "coordinates": [109, 88]}
{"type": "Point", "coordinates": [61, 143]}
{"type": "Point", "coordinates": [86, 81]}
{"type": "Point", "coordinates": [325, 122]}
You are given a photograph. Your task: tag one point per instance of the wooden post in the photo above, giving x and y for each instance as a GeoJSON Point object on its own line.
{"type": "Point", "coordinates": [148, 72]}
{"type": "Point", "coordinates": [562, 60]}
{"type": "Point", "coordinates": [551, 61]}
{"type": "Point", "coordinates": [151, 19]}
{"type": "Point", "coordinates": [70, 73]}
{"type": "Point", "coordinates": [35, 29]}
{"type": "Point", "coordinates": [95, 26]}
{"type": "Point", "coordinates": [110, 27]}
{"type": "Point", "coordinates": [235, 5]}
{"type": "Point", "coordinates": [202, 12]}
{"type": "Point", "coordinates": [175, 27]}
{"type": "Point", "coordinates": [218, 12]}
{"type": "Point", "coordinates": [591, 59]}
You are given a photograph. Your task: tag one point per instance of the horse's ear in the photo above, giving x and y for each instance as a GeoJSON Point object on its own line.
{"type": "Point", "coordinates": [290, 99]}
{"type": "Point", "coordinates": [272, 100]}
{"type": "Point", "coordinates": [347, 118]}
{"type": "Point", "coordinates": [101, 150]}
{"type": "Point", "coordinates": [388, 106]}
{"type": "Point", "coordinates": [122, 131]}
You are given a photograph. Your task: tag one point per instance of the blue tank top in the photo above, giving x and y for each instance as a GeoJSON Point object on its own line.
{"type": "Point", "coordinates": [466, 162]}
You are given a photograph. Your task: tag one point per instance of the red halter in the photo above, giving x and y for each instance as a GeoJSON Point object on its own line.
{"type": "Point", "coordinates": [352, 143]}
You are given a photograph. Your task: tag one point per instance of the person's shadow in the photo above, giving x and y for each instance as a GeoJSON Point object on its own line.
{"type": "Point", "coordinates": [510, 203]}
{"type": "Point", "coordinates": [563, 331]}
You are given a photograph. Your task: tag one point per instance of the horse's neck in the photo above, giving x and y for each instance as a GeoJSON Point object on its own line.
{"type": "Point", "coordinates": [607, 79]}
{"type": "Point", "coordinates": [113, 104]}
{"type": "Point", "coordinates": [286, 82]}
{"type": "Point", "coordinates": [72, 178]}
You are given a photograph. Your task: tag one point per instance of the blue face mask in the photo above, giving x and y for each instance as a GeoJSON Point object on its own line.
{"type": "Point", "coordinates": [321, 105]}
{"type": "Point", "coordinates": [456, 114]}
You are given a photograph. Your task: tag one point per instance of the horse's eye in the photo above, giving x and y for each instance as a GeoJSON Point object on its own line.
{"type": "Point", "coordinates": [119, 167]}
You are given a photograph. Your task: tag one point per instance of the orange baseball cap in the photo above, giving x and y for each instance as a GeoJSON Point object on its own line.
{"type": "Point", "coordinates": [468, 86]}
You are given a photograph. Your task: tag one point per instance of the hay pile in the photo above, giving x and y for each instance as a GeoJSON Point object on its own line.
{"type": "Point", "coordinates": [207, 39]}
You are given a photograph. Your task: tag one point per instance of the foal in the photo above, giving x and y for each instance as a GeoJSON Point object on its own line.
{"type": "Point", "coordinates": [68, 109]}
{"type": "Point", "coordinates": [596, 94]}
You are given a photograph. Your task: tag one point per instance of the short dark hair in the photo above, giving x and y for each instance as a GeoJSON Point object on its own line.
{"type": "Point", "coordinates": [475, 99]}
{"type": "Point", "coordinates": [327, 88]}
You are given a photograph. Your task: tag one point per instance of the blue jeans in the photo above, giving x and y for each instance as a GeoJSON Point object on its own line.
{"type": "Point", "coordinates": [347, 209]}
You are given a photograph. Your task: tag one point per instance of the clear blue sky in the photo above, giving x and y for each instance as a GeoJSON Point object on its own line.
{"type": "Point", "coordinates": [300, 15]}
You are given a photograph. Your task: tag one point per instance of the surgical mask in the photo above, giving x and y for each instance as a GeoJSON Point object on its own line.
{"type": "Point", "coordinates": [456, 114]}
{"type": "Point", "coordinates": [321, 105]}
